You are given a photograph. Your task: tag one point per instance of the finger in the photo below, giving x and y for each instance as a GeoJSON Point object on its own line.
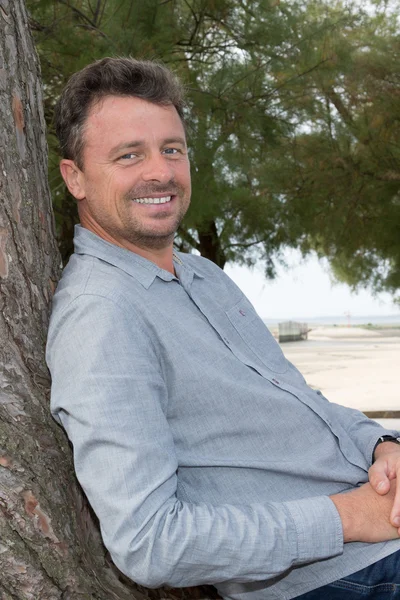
{"type": "Point", "coordinates": [379, 479]}
{"type": "Point", "coordinates": [395, 514]}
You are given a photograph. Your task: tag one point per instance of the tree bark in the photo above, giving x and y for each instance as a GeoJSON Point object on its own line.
{"type": "Point", "coordinates": [210, 244]}
{"type": "Point", "coordinates": [50, 546]}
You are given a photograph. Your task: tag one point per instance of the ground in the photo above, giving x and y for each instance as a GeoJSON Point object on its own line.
{"type": "Point", "coordinates": [353, 366]}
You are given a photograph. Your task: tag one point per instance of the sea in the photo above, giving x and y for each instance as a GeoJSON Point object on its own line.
{"type": "Point", "coordinates": [342, 320]}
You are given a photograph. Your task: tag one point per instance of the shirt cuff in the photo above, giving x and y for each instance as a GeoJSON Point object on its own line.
{"type": "Point", "coordinates": [318, 526]}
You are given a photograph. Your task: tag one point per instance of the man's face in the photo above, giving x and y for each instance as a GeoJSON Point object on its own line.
{"type": "Point", "coordinates": [135, 185]}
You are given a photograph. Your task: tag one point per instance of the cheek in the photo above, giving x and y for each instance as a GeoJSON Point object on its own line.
{"type": "Point", "coordinates": [110, 188]}
{"type": "Point", "coordinates": [182, 174]}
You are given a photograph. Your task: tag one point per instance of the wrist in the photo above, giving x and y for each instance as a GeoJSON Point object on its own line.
{"type": "Point", "coordinates": [385, 445]}
{"type": "Point", "coordinates": [345, 508]}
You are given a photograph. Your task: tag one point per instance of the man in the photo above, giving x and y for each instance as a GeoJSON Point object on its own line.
{"type": "Point", "coordinates": [203, 452]}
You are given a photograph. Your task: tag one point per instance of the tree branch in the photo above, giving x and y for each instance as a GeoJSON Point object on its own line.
{"type": "Point", "coordinates": [187, 236]}
{"type": "Point", "coordinates": [243, 245]}
{"type": "Point", "coordinates": [78, 12]}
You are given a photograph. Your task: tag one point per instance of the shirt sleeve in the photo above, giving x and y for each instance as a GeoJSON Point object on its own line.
{"type": "Point", "coordinates": [109, 393]}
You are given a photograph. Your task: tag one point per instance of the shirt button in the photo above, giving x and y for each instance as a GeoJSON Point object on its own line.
{"type": "Point", "coordinates": [226, 341]}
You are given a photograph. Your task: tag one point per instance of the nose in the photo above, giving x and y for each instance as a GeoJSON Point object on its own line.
{"type": "Point", "coordinates": [157, 168]}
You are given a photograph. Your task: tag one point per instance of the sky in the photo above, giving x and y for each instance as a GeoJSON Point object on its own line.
{"type": "Point", "coordinates": [305, 290]}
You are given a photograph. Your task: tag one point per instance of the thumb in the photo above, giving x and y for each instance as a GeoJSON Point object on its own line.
{"type": "Point", "coordinates": [379, 479]}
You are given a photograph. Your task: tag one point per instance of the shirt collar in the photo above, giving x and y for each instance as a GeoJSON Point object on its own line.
{"type": "Point", "coordinates": [145, 271]}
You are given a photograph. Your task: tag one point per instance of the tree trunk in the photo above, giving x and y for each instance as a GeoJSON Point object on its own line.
{"type": "Point", "coordinates": [50, 546]}
{"type": "Point", "coordinates": [210, 244]}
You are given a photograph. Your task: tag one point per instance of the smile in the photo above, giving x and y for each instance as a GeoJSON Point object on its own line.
{"type": "Point", "coordinates": [162, 200]}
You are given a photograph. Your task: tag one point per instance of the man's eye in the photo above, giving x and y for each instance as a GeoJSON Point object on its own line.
{"type": "Point", "coordinates": [171, 151]}
{"type": "Point", "coordinates": [128, 156]}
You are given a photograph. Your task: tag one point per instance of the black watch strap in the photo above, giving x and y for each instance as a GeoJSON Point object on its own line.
{"type": "Point", "coordinates": [384, 438]}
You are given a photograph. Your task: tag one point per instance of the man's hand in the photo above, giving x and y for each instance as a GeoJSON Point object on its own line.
{"type": "Point", "coordinates": [385, 469]}
{"type": "Point", "coordinates": [365, 514]}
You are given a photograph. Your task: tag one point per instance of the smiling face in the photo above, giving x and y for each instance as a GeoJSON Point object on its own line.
{"type": "Point", "coordinates": [134, 188]}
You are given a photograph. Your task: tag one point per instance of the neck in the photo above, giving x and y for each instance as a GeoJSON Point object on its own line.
{"type": "Point", "coordinates": [162, 257]}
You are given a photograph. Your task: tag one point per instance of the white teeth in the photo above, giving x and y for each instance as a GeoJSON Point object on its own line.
{"type": "Point", "coordinates": [153, 200]}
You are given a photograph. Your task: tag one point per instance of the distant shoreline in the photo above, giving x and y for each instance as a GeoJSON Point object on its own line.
{"type": "Point", "coordinates": [370, 321]}
{"type": "Point", "coordinates": [332, 333]}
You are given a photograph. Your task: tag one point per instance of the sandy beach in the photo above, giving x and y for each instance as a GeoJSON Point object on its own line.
{"type": "Point", "coordinates": [352, 366]}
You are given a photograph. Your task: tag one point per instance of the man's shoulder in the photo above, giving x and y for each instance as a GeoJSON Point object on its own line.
{"type": "Point", "coordinates": [82, 274]}
{"type": "Point", "coordinates": [88, 281]}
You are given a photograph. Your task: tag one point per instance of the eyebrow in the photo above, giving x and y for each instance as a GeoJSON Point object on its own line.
{"type": "Point", "coordinates": [138, 143]}
{"type": "Point", "coordinates": [175, 140]}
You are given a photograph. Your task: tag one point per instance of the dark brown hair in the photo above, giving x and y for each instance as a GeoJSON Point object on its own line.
{"type": "Point", "coordinates": [110, 77]}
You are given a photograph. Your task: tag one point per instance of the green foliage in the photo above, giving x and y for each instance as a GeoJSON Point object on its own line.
{"type": "Point", "coordinates": [294, 120]}
{"type": "Point", "coordinates": [342, 199]}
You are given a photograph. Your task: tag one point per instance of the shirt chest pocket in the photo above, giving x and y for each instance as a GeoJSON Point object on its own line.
{"type": "Point", "coordinates": [256, 335]}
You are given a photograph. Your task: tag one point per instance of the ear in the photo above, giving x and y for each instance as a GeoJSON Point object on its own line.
{"type": "Point", "coordinates": [73, 177]}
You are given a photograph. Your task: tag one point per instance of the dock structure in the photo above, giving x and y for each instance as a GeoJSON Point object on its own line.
{"type": "Point", "coordinates": [291, 331]}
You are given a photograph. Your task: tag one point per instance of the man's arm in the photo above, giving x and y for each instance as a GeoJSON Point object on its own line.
{"type": "Point", "coordinates": [365, 514]}
{"type": "Point", "coordinates": [365, 432]}
{"type": "Point", "coordinates": [109, 393]}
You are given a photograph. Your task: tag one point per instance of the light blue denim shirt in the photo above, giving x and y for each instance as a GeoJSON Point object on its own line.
{"type": "Point", "coordinates": [202, 450]}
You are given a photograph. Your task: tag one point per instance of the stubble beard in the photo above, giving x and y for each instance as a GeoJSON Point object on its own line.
{"type": "Point", "coordinates": [136, 234]}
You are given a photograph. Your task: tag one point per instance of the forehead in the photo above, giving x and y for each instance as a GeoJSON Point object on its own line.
{"type": "Point", "coordinates": [116, 118]}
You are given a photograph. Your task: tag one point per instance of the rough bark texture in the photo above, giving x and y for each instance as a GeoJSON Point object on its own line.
{"type": "Point", "coordinates": [50, 547]}
{"type": "Point", "coordinates": [210, 244]}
